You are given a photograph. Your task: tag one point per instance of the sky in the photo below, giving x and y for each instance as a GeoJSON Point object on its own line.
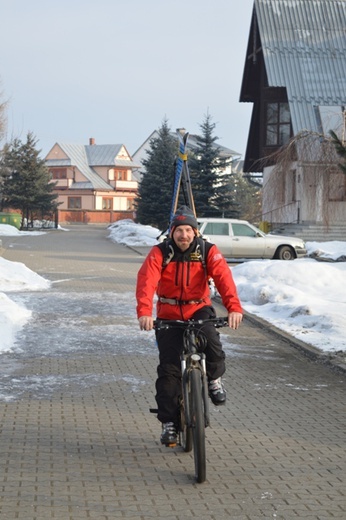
{"type": "Point", "coordinates": [303, 297]}
{"type": "Point", "coordinates": [115, 69]}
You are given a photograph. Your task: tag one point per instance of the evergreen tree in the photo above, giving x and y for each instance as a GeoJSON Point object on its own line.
{"type": "Point", "coordinates": [211, 191]}
{"type": "Point", "coordinates": [227, 190]}
{"type": "Point", "coordinates": [340, 148]}
{"type": "Point", "coordinates": [4, 172]}
{"type": "Point", "coordinates": [154, 200]}
{"type": "Point", "coordinates": [248, 197]}
{"type": "Point", "coordinates": [26, 185]}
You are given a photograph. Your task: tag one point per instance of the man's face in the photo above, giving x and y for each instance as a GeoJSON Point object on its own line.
{"type": "Point", "coordinates": [183, 237]}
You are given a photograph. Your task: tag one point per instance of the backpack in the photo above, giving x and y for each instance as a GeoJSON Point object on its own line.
{"type": "Point", "coordinates": [199, 254]}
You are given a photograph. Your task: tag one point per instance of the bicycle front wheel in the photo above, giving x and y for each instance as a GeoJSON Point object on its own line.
{"type": "Point", "coordinates": [185, 429]}
{"type": "Point", "coordinates": [198, 425]}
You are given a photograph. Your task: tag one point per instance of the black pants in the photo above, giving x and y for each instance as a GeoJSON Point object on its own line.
{"type": "Point", "coordinates": [170, 344]}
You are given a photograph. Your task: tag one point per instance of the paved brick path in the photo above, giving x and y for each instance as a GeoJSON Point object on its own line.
{"type": "Point", "coordinates": [77, 441]}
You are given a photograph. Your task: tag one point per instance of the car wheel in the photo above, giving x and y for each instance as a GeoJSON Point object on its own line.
{"type": "Point", "coordinates": [285, 253]}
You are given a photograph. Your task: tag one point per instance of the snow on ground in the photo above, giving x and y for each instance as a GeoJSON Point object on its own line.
{"type": "Point", "coordinates": [131, 234]}
{"type": "Point", "coordinates": [15, 276]}
{"type": "Point", "coordinates": [304, 297]}
{"type": "Point", "coordinates": [11, 231]}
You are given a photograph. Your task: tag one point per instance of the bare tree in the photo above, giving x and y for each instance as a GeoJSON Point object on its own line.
{"type": "Point", "coordinates": [3, 119]}
{"type": "Point", "coordinates": [317, 156]}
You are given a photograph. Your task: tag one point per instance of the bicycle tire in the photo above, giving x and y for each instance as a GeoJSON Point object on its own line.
{"type": "Point", "coordinates": [185, 430]}
{"type": "Point", "coordinates": [198, 425]}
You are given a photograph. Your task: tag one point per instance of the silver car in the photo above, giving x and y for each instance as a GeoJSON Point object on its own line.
{"type": "Point", "coordinates": [240, 239]}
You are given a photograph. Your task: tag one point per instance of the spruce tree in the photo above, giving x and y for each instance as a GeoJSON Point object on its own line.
{"type": "Point", "coordinates": [155, 191]}
{"type": "Point", "coordinates": [210, 190]}
{"type": "Point", "coordinates": [27, 186]}
{"type": "Point", "coordinates": [224, 199]}
{"type": "Point", "coordinates": [248, 197]}
{"type": "Point", "coordinates": [340, 148]}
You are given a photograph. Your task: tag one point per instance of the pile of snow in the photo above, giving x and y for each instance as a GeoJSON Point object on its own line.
{"type": "Point", "coordinates": [15, 276]}
{"type": "Point", "coordinates": [327, 251]}
{"type": "Point", "coordinates": [12, 318]}
{"type": "Point", "coordinates": [11, 231]}
{"type": "Point", "coordinates": [130, 234]}
{"type": "Point", "coordinates": [305, 298]}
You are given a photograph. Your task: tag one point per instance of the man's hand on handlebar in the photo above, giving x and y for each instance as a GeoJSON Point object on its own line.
{"type": "Point", "coordinates": [146, 323]}
{"type": "Point", "coordinates": [234, 319]}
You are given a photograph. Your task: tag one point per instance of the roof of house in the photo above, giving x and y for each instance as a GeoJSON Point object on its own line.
{"type": "Point", "coordinates": [304, 47]}
{"type": "Point", "coordinates": [192, 144]}
{"type": "Point", "coordinates": [89, 156]}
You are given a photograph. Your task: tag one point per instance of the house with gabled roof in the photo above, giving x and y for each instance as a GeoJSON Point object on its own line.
{"type": "Point", "coordinates": [295, 76]}
{"type": "Point", "coordinates": [94, 182]}
{"type": "Point", "coordinates": [233, 157]}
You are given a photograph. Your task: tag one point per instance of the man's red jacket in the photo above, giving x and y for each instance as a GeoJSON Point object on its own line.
{"type": "Point", "coordinates": [184, 279]}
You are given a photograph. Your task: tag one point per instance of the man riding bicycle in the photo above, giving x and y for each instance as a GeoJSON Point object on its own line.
{"type": "Point", "coordinates": [178, 271]}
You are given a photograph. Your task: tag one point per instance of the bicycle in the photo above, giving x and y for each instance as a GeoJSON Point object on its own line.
{"type": "Point", "coordinates": [193, 402]}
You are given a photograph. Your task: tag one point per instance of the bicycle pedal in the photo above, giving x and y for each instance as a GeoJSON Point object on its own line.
{"type": "Point", "coordinates": [171, 445]}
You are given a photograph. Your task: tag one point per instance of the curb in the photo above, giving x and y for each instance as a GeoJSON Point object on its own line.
{"type": "Point", "coordinates": [335, 361]}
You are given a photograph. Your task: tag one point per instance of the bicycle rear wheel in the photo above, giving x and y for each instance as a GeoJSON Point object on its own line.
{"type": "Point", "coordinates": [198, 425]}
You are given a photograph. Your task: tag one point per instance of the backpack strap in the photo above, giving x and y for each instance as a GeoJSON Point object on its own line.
{"type": "Point", "coordinates": [167, 250]}
{"type": "Point", "coordinates": [202, 249]}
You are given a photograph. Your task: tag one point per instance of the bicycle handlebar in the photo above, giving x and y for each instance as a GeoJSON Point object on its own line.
{"type": "Point", "coordinates": [189, 324]}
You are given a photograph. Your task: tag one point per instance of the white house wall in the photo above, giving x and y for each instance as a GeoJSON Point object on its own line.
{"type": "Point", "coordinates": [98, 203]}
{"type": "Point", "coordinates": [300, 195]}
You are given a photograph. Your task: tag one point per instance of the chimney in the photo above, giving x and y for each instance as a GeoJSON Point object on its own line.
{"type": "Point", "coordinates": [92, 141]}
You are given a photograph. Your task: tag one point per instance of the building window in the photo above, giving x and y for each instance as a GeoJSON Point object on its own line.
{"type": "Point", "coordinates": [278, 127]}
{"type": "Point", "coordinates": [294, 186]}
{"type": "Point", "coordinates": [107, 203]}
{"type": "Point", "coordinates": [74, 203]}
{"type": "Point", "coordinates": [121, 175]}
{"type": "Point", "coordinates": [58, 173]}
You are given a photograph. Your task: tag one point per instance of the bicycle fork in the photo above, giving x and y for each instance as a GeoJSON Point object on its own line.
{"type": "Point", "coordinates": [197, 362]}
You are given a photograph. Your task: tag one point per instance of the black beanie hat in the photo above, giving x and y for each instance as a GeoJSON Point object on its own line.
{"type": "Point", "coordinates": [184, 216]}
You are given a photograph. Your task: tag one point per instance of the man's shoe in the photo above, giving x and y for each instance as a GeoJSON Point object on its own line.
{"type": "Point", "coordinates": [169, 434]}
{"type": "Point", "coordinates": [217, 393]}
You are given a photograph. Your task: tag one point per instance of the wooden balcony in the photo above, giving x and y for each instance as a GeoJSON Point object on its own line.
{"type": "Point", "coordinates": [126, 185]}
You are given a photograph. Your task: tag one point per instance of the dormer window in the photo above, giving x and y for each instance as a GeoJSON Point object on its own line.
{"type": "Point", "coordinates": [58, 173]}
{"type": "Point", "coordinates": [121, 175]}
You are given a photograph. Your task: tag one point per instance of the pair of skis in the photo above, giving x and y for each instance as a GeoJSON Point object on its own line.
{"type": "Point", "coordinates": [182, 181]}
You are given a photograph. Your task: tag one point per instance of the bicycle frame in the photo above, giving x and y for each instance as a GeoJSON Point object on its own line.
{"type": "Point", "coordinates": [194, 403]}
